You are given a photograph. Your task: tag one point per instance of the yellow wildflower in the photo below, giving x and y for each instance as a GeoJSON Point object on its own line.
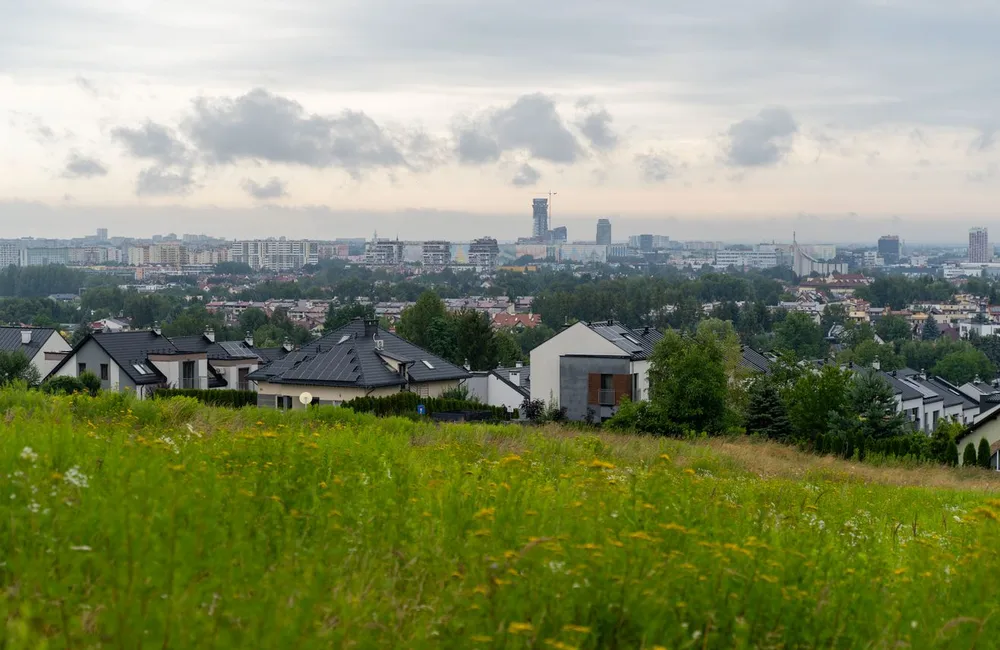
{"type": "Point", "coordinates": [481, 589]}
{"type": "Point", "coordinates": [642, 535]}
{"type": "Point", "coordinates": [600, 464]}
{"type": "Point", "coordinates": [322, 484]}
{"type": "Point", "coordinates": [479, 638]}
{"type": "Point", "coordinates": [518, 628]}
{"type": "Point", "coordinates": [507, 460]}
{"type": "Point", "coordinates": [688, 470]}
{"type": "Point", "coordinates": [485, 513]}
{"type": "Point", "coordinates": [676, 527]}
{"type": "Point", "coordinates": [559, 645]}
{"type": "Point", "coordinates": [582, 629]}
{"type": "Point", "coordinates": [483, 532]}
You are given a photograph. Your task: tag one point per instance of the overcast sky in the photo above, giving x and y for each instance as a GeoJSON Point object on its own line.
{"type": "Point", "coordinates": [709, 119]}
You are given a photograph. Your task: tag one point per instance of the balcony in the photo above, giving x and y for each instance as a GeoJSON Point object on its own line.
{"type": "Point", "coordinates": [191, 383]}
{"type": "Point", "coordinates": [606, 397]}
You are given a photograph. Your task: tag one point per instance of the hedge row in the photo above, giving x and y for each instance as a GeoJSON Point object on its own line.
{"type": "Point", "coordinates": [406, 404]}
{"type": "Point", "coordinates": [229, 398]}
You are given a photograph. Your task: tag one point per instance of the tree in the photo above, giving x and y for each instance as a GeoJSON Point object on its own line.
{"type": "Point", "coordinates": [865, 353]}
{"type": "Point", "coordinates": [835, 314]}
{"type": "Point", "coordinates": [801, 336]}
{"type": "Point", "coordinates": [253, 319]}
{"type": "Point", "coordinates": [688, 381]}
{"type": "Point", "coordinates": [766, 414]}
{"type": "Point", "coordinates": [16, 366]}
{"type": "Point", "coordinates": [969, 455]}
{"type": "Point", "coordinates": [814, 398]}
{"type": "Point", "coordinates": [984, 455]}
{"type": "Point", "coordinates": [474, 333]}
{"type": "Point", "coordinates": [894, 329]}
{"type": "Point", "coordinates": [871, 412]}
{"type": "Point", "coordinates": [508, 350]}
{"type": "Point", "coordinates": [442, 340]}
{"type": "Point", "coordinates": [964, 366]}
{"type": "Point", "coordinates": [233, 268]}
{"type": "Point", "coordinates": [338, 317]}
{"type": "Point", "coordinates": [82, 331]}
{"type": "Point", "coordinates": [414, 322]}
{"type": "Point", "coordinates": [931, 331]}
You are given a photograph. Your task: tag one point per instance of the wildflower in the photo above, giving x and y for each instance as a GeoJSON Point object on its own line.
{"type": "Point", "coordinates": [582, 629]}
{"type": "Point", "coordinates": [29, 454]}
{"type": "Point", "coordinates": [689, 471]}
{"type": "Point", "coordinates": [642, 535]}
{"type": "Point", "coordinates": [481, 589]}
{"type": "Point", "coordinates": [507, 460]}
{"type": "Point", "coordinates": [322, 484]}
{"type": "Point", "coordinates": [600, 464]}
{"type": "Point", "coordinates": [559, 645]}
{"type": "Point", "coordinates": [485, 513]}
{"type": "Point", "coordinates": [76, 478]}
{"type": "Point", "coordinates": [85, 549]}
{"type": "Point", "coordinates": [34, 507]}
{"type": "Point", "coordinates": [517, 628]}
{"type": "Point", "coordinates": [479, 638]}
{"type": "Point", "coordinates": [665, 456]}
{"type": "Point", "coordinates": [676, 527]}
{"type": "Point", "coordinates": [483, 532]}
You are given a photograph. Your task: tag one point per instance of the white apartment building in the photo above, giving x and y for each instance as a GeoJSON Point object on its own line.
{"type": "Point", "coordinates": [274, 254]}
{"type": "Point", "coordinates": [758, 259]}
{"type": "Point", "coordinates": [10, 254]}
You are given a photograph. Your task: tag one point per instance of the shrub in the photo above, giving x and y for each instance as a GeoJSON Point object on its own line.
{"type": "Point", "coordinates": [405, 404]}
{"type": "Point", "coordinates": [969, 455]}
{"type": "Point", "coordinates": [984, 453]}
{"type": "Point", "coordinates": [229, 398]}
{"type": "Point", "coordinates": [63, 386]}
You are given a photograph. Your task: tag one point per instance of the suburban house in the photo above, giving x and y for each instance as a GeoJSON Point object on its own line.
{"type": "Point", "coordinates": [925, 400]}
{"type": "Point", "coordinates": [507, 387]}
{"type": "Point", "coordinates": [588, 368]}
{"type": "Point", "coordinates": [357, 360]}
{"type": "Point", "coordinates": [232, 361]}
{"type": "Point", "coordinates": [986, 426]}
{"type": "Point", "coordinates": [140, 361]}
{"type": "Point", "coordinates": [43, 346]}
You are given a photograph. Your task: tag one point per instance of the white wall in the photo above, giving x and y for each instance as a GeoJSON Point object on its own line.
{"type": "Point", "coordinates": [55, 343]}
{"type": "Point", "coordinates": [641, 368]}
{"type": "Point", "coordinates": [340, 394]}
{"type": "Point", "coordinates": [577, 339]}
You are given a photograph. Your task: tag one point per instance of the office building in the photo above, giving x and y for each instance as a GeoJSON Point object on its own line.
{"type": "Point", "coordinates": [540, 216]}
{"type": "Point", "coordinates": [603, 232]}
{"type": "Point", "coordinates": [889, 249]}
{"type": "Point", "coordinates": [645, 243]}
{"type": "Point", "coordinates": [10, 254]}
{"type": "Point", "coordinates": [274, 254]}
{"type": "Point", "coordinates": [44, 256]}
{"type": "Point", "coordinates": [484, 254]}
{"type": "Point", "coordinates": [762, 258]}
{"type": "Point", "coordinates": [979, 246]}
{"type": "Point", "coordinates": [102, 234]}
{"type": "Point", "coordinates": [436, 253]}
{"type": "Point", "coordinates": [558, 235]}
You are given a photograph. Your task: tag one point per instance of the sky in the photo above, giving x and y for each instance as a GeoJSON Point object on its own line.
{"type": "Point", "coordinates": [840, 120]}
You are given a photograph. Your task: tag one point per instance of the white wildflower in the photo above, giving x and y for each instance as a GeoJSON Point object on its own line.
{"type": "Point", "coordinates": [913, 625]}
{"type": "Point", "coordinates": [85, 549]}
{"type": "Point", "coordinates": [77, 478]}
{"type": "Point", "coordinates": [696, 635]}
{"type": "Point", "coordinates": [34, 507]}
{"type": "Point", "coordinates": [29, 454]}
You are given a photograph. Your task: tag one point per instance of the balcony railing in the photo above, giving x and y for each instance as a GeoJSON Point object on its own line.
{"type": "Point", "coordinates": [606, 397]}
{"type": "Point", "coordinates": [191, 383]}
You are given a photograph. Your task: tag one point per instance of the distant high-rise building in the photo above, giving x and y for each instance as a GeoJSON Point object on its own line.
{"type": "Point", "coordinates": [604, 232]}
{"type": "Point", "coordinates": [979, 246]}
{"type": "Point", "coordinates": [558, 235]}
{"type": "Point", "coordinates": [540, 215]}
{"type": "Point", "coordinates": [646, 243]}
{"type": "Point", "coordinates": [102, 234]}
{"type": "Point", "coordinates": [436, 253]}
{"type": "Point", "coordinates": [484, 253]}
{"type": "Point", "coordinates": [889, 249]}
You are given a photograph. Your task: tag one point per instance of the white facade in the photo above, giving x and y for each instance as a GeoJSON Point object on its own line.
{"type": "Point", "coordinates": [749, 259]}
{"type": "Point", "coordinates": [10, 254]}
{"type": "Point", "coordinates": [494, 391]}
{"type": "Point", "coordinates": [274, 254]}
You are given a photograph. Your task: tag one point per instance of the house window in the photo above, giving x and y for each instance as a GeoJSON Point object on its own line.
{"type": "Point", "coordinates": [188, 379]}
{"type": "Point", "coordinates": [606, 396]}
{"type": "Point", "coordinates": [105, 372]}
{"type": "Point", "coordinates": [81, 368]}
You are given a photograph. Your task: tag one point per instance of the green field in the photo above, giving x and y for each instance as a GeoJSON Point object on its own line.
{"type": "Point", "coordinates": [168, 524]}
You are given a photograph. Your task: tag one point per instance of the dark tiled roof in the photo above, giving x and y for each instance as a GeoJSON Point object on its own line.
{"type": "Point", "coordinates": [215, 378]}
{"type": "Point", "coordinates": [901, 388]}
{"type": "Point", "coordinates": [755, 361]}
{"type": "Point", "coordinates": [637, 343]}
{"type": "Point", "coordinates": [268, 355]}
{"type": "Point", "coordinates": [348, 357]}
{"type": "Point", "coordinates": [10, 339]}
{"type": "Point", "coordinates": [524, 386]}
{"type": "Point", "coordinates": [952, 396]}
{"type": "Point", "coordinates": [219, 351]}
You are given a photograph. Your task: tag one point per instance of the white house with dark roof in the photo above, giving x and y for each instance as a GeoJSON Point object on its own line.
{"type": "Point", "coordinates": [588, 368]}
{"type": "Point", "coordinates": [506, 387]}
{"type": "Point", "coordinates": [45, 347]}
{"type": "Point", "coordinates": [357, 360]}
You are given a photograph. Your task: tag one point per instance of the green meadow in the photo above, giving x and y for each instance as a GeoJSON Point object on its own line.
{"type": "Point", "coordinates": [166, 524]}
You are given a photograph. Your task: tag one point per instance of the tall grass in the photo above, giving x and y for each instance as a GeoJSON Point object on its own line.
{"type": "Point", "coordinates": [166, 523]}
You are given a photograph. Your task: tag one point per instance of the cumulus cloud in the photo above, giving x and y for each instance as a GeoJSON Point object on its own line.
{"type": "Point", "coordinates": [526, 176]}
{"type": "Point", "coordinates": [595, 124]}
{"type": "Point", "coordinates": [164, 181]}
{"type": "Point", "coordinates": [762, 140]}
{"type": "Point", "coordinates": [152, 141]}
{"type": "Point", "coordinates": [83, 167]}
{"type": "Point", "coordinates": [655, 167]}
{"type": "Point", "coordinates": [530, 124]}
{"type": "Point", "coordinates": [263, 126]}
{"type": "Point", "coordinates": [274, 188]}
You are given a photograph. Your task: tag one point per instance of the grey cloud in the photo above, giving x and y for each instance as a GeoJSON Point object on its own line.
{"type": "Point", "coordinates": [526, 176]}
{"type": "Point", "coordinates": [152, 141]}
{"type": "Point", "coordinates": [262, 126]}
{"type": "Point", "coordinates": [274, 188]}
{"type": "Point", "coordinates": [595, 124]}
{"type": "Point", "coordinates": [762, 140]}
{"type": "Point", "coordinates": [83, 167]}
{"type": "Point", "coordinates": [530, 124]}
{"type": "Point", "coordinates": [655, 167]}
{"type": "Point", "coordinates": [164, 181]}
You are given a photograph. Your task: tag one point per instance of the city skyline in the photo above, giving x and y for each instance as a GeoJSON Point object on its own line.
{"type": "Point", "coordinates": [717, 115]}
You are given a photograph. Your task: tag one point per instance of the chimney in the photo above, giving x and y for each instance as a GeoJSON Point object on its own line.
{"type": "Point", "coordinates": [518, 364]}
{"type": "Point", "coordinates": [248, 339]}
{"type": "Point", "coordinates": [515, 378]}
{"type": "Point", "coordinates": [876, 364]}
{"type": "Point", "coordinates": [371, 327]}
{"type": "Point", "coordinates": [25, 337]}
{"type": "Point", "coordinates": [157, 330]}
{"type": "Point", "coordinates": [210, 334]}
{"type": "Point", "coordinates": [287, 345]}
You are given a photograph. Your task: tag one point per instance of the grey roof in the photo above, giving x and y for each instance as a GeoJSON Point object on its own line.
{"type": "Point", "coordinates": [268, 355]}
{"type": "Point", "coordinates": [902, 388]}
{"type": "Point", "coordinates": [218, 351]}
{"type": "Point", "coordinates": [128, 349]}
{"type": "Point", "coordinates": [10, 339]}
{"type": "Point", "coordinates": [952, 396]}
{"type": "Point", "coordinates": [524, 386]}
{"type": "Point", "coordinates": [349, 357]}
{"type": "Point", "coordinates": [755, 361]}
{"type": "Point", "coordinates": [637, 343]}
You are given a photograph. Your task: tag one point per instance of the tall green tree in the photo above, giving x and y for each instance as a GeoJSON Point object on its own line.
{"type": "Point", "coordinates": [337, 317]}
{"type": "Point", "coordinates": [16, 366]}
{"type": "Point", "coordinates": [984, 455]}
{"type": "Point", "coordinates": [969, 455]}
{"type": "Point", "coordinates": [508, 350]}
{"type": "Point", "coordinates": [871, 410]}
{"type": "Point", "coordinates": [476, 346]}
{"type": "Point", "coordinates": [931, 331]}
{"type": "Point", "coordinates": [814, 398]}
{"type": "Point", "coordinates": [766, 413]}
{"type": "Point", "coordinates": [253, 319]}
{"type": "Point", "coordinates": [414, 322]}
{"type": "Point", "coordinates": [964, 366]}
{"type": "Point", "coordinates": [894, 329]}
{"type": "Point", "coordinates": [800, 335]}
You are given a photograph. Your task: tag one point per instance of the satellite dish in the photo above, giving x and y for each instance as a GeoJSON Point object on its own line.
{"type": "Point", "coordinates": [306, 398]}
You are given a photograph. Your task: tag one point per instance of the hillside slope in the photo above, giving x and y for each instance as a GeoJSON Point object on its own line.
{"type": "Point", "coordinates": [167, 524]}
